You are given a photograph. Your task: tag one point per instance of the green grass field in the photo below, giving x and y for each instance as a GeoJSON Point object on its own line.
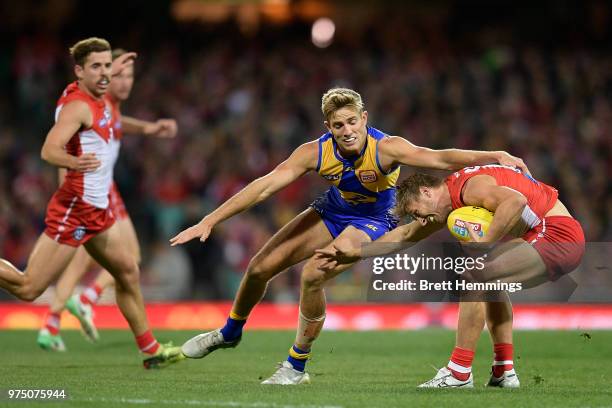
{"type": "Point", "coordinates": [349, 369]}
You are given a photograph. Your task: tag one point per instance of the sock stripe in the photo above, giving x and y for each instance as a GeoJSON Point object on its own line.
{"type": "Point", "coordinates": [459, 368]}
{"type": "Point", "coordinates": [298, 356]}
{"type": "Point", "coordinates": [235, 316]}
{"type": "Point", "coordinates": [150, 345]}
{"type": "Point", "coordinates": [501, 363]}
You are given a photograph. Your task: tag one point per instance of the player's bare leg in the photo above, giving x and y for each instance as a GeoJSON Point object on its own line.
{"type": "Point", "coordinates": [81, 305]}
{"type": "Point", "coordinates": [312, 310]}
{"type": "Point", "coordinates": [513, 261]}
{"type": "Point", "coordinates": [48, 337]}
{"type": "Point", "coordinates": [78, 267]}
{"type": "Point", "coordinates": [292, 244]}
{"type": "Point", "coordinates": [108, 250]}
{"type": "Point", "coordinates": [47, 260]}
{"type": "Point", "coordinates": [499, 322]}
{"type": "Point", "coordinates": [458, 372]}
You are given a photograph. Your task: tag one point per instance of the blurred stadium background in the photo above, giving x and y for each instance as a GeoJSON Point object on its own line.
{"type": "Point", "coordinates": [244, 80]}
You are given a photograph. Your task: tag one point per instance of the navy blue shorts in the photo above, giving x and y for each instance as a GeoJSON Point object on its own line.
{"type": "Point", "coordinates": [337, 221]}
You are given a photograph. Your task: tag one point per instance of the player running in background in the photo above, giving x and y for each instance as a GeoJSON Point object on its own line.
{"type": "Point", "coordinates": [78, 213]}
{"type": "Point", "coordinates": [81, 305]}
{"type": "Point", "coordinates": [362, 164]}
{"type": "Point", "coordinates": [550, 244]}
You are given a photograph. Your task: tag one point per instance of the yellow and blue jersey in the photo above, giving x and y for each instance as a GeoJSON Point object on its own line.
{"type": "Point", "coordinates": [362, 193]}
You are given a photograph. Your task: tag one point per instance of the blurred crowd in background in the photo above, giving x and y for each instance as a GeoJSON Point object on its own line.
{"type": "Point", "coordinates": [539, 88]}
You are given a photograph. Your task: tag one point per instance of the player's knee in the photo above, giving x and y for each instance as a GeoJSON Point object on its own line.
{"type": "Point", "coordinates": [137, 255]}
{"type": "Point", "coordinates": [128, 273]}
{"type": "Point", "coordinates": [484, 274]}
{"type": "Point", "coordinates": [312, 277]}
{"type": "Point", "coordinates": [28, 292]}
{"type": "Point", "coordinates": [257, 270]}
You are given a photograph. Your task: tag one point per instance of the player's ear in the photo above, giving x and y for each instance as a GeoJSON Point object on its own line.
{"type": "Point", "coordinates": [326, 123]}
{"type": "Point", "coordinates": [364, 117]}
{"type": "Point", "coordinates": [78, 71]}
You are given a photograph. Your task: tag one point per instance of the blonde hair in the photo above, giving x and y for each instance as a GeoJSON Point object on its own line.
{"type": "Point", "coordinates": [338, 98]}
{"type": "Point", "coordinates": [117, 52]}
{"type": "Point", "coordinates": [81, 50]}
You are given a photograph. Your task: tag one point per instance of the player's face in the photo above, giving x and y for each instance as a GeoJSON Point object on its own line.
{"type": "Point", "coordinates": [121, 85]}
{"type": "Point", "coordinates": [430, 207]}
{"type": "Point", "coordinates": [95, 74]}
{"type": "Point", "coordinates": [348, 126]}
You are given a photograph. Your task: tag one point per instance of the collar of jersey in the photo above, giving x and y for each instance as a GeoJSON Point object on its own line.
{"type": "Point", "coordinates": [353, 159]}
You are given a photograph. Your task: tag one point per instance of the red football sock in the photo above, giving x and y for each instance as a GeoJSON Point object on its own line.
{"type": "Point", "coordinates": [91, 295]}
{"type": "Point", "coordinates": [147, 343]}
{"type": "Point", "coordinates": [460, 364]}
{"type": "Point", "coordinates": [503, 358]}
{"type": "Point", "coordinates": [52, 323]}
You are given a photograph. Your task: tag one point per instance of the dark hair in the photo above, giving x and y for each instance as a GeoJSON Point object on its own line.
{"type": "Point", "coordinates": [83, 48]}
{"type": "Point", "coordinates": [409, 190]}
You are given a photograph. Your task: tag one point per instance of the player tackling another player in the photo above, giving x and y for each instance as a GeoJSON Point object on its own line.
{"type": "Point", "coordinates": [78, 213]}
{"type": "Point", "coordinates": [362, 164]}
{"type": "Point", "coordinates": [81, 305]}
{"type": "Point", "coordinates": [550, 243]}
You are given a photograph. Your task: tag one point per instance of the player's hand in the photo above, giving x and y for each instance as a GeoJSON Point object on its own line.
{"type": "Point", "coordinates": [122, 62]}
{"type": "Point", "coordinates": [334, 256]}
{"type": "Point", "coordinates": [163, 128]}
{"type": "Point", "coordinates": [87, 163]}
{"type": "Point", "coordinates": [506, 159]}
{"type": "Point", "coordinates": [474, 237]}
{"type": "Point", "coordinates": [201, 230]}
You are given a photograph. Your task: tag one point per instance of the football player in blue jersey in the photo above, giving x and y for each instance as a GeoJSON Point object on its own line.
{"type": "Point", "coordinates": [362, 164]}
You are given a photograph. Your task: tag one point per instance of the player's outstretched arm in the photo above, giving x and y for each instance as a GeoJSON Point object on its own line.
{"type": "Point", "coordinates": [302, 160]}
{"type": "Point", "coordinates": [162, 128]}
{"type": "Point", "coordinates": [396, 150]}
{"type": "Point", "coordinates": [506, 204]}
{"type": "Point", "coordinates": [395, 240]}
{"type": "Point", "coordinates": [71, 118]}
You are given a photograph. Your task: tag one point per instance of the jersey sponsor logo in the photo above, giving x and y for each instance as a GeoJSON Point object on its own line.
{"type": "Point", "coordinates": [331, 177]}
{"type": "Point", "coordinates": [367, 176]}
{"type": "Point", "coordinates": [79, 233]}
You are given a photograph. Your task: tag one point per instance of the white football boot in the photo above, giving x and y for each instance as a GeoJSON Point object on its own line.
{"type": "Point", "coordinates": [444, 379]}
{"type": "Point", "coordinates": [287, 375]}
{"type": "Point", "coordinates": [84, 313]}
{"type": "Point", "coordinates": [205, 343]}
{"type": "Point", "coordinates": [508, 380]}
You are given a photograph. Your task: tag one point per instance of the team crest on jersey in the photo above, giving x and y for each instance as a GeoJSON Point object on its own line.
{"type": "Point", "coordinates": [79, 233]}
{"type": "Point", "coordinates": [106, 119]}
{"type": "Point", "coordinates": [367, 176]}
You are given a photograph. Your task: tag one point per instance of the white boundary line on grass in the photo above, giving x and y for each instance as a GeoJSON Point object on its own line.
{"type": "Point", "coordinates": [143, 401]}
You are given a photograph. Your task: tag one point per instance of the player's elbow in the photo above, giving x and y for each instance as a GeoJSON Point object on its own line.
{"type": "Point", "coordinates": [519, 202]}
{"type": "Point", "coordinates": [44, 153]}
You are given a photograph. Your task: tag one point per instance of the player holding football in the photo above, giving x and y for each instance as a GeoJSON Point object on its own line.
{"type": "Point", "coordinates": [362, 164]}
{"type": "Point", "coordinates": [81, 305]}
{"type": "Point", "coordinates": [550, 244]}
{"type": "Point", "coordinates": [78, 212]}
